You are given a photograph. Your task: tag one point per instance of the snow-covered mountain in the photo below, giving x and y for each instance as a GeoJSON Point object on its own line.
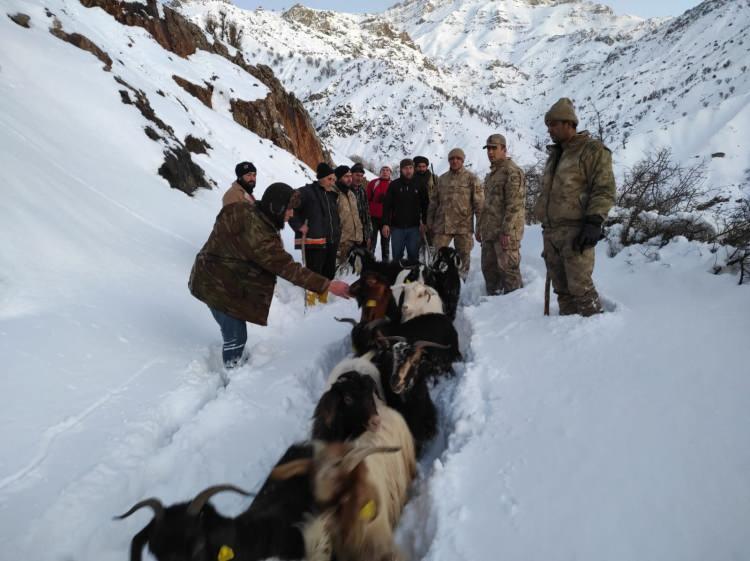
{"type": "Point", "coordinates": [428, 75]}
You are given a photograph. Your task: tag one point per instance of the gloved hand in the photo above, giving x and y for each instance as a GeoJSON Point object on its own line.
{"type": "Point", "coordinates": [589, 235]}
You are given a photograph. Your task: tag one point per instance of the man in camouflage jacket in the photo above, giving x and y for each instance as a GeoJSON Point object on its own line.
{"type": "Point", "coordinates": [235, 271]}
{"type": "Point", "coordinates": [459, 197]}
{"type": "Point", "coordinates": [578, 190]}
{"type": "Point", "coordinates": [500, 227]}
{"type": "Point", "coordinates": [359, 188]}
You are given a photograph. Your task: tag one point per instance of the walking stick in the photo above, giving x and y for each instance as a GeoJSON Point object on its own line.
{"type": "Point", "coordinates": [546, 295]}
{"type": "Point", "coordinates": [304, 258]}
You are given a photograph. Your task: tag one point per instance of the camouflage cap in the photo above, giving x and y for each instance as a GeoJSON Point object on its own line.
{"type": "Point", "coordinates": [456, 153]}
{"type": "Point", "coordinates": [562, 110]}
{"type": "Point", "coordinates": [495, 140]}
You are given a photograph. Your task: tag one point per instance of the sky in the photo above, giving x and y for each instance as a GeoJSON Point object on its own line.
{"type": "Point", "coordinates": [643, 8]}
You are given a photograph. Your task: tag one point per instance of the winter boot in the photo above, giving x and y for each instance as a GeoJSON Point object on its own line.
{"type": "Point", "coordinates": [311, 298]}
{"type": "Point", "coordinates": [323, 297]}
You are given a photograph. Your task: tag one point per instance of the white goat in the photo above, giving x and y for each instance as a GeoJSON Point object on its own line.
{"type": "Point", "coordinates": [420, 299]}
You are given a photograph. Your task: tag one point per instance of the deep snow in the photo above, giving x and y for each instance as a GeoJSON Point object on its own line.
{"type": "Point", "coordinates": [618, 437]}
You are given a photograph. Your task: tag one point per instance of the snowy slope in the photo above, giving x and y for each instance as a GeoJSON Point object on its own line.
{"type": "Point", "coordinates": [467, 68]}
{"type": "Point", "coordinates": [618, 437]}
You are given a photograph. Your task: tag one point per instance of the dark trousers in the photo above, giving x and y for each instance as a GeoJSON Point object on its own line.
{"type": "Point", "coordinates": [405, 238]}
{"type": "Point", "coordinates": [322, 260]}
{"type": "Point", "coordinates": [385, 243]}
{"type": "Point", "coordinates": [234, 333]}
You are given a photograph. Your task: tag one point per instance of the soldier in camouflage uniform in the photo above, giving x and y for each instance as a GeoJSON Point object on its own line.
{"type": "Point", "coordinates": [235, 271]}
{"type": "Point", "coordinates": [459, 197]}
{"type": "Point", "coordinates": [578, 190]}
{"type": "Point", "coordinates": [500, 227]}
{"type": "Point", "coordinates": [351, 225]}
{"type": "Point", "coordinates": [359, 188]}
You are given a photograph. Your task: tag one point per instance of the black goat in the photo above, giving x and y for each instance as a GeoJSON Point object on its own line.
{"type": "Point", "coordinates": [195, 531]}
{"type": "Point", "coordinates": [444, 277]}
{"type": "Point", "coordinates": [347, 408]}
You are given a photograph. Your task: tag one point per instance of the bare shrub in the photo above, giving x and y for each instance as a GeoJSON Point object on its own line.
{"type": "Point", "coordinates": [660, 199]}
{"type": "Point", "coordinates": [534, 174]}
{"type": "Point", "coordinates": [735, 235]}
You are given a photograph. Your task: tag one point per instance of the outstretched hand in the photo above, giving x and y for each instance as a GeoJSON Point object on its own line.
{"type": "Point", "coordinates": [339, 288]}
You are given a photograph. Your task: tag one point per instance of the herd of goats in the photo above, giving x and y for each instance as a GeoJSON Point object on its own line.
{"type": "Point", "coordinates": [339, 496]}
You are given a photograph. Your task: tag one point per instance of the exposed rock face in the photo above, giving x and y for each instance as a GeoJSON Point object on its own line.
{"type": "Point", "coordinates": [202, 93]}
{"type": "Point", "coordinates": [280, 117]}
{"type": "Point", "coordinates": [82, 42]}
{"type": "Point", "coordinates": [180, 170]}
{"type": "Point", "coordinates": [21, 19]}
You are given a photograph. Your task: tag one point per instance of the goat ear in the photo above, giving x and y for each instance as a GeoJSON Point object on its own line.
{"type": "Point", "coordinates": [292, 469]}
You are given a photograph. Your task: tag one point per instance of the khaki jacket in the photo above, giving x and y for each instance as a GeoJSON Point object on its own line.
{"type": "Point", "coordinates": [457, 198]}
{"type": "Point", "coordinates": [578, 181]}
{"type": "Point", "coordinates": [236, 270]}
{"type": "Point", "coordinates": [504, 212]}
{"type": "Point", "coordinates": [351, 224]}
{"type": "Point", "coordinates": [236, 194]}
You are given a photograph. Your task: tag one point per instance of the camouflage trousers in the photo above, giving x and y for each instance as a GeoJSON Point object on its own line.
{"type": "Point", "coordinates": [501, 267]}
{"type": "Point", "coordinates": [463, 244]}
{"type": "Point", "coordinates": [570, 272]}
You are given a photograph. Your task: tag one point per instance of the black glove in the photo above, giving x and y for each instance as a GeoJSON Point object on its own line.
{"type": "Point", "coordinates": [590, 234]}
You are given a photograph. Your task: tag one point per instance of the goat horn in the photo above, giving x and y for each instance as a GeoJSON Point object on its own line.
{"type": "Point", "coordinates": [357, 455]}
{"type": "Point", "coordinates": [370, 325]}
{"type": "Point", "coordinates": [200, 500]}
{"type": "Point", "coordinates": [347, 320]}
{"type": "Point", "coordinates": [153, 503]}
{"type": "Point", "coordinates": [430, 344]}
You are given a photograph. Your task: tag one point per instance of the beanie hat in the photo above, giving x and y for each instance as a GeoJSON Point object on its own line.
{"type": "Point", "coordinates": [421, 160]}
{"type": "Point", "coordinates": [406, 162]}
{"type": "Point", "coordinates": [341, 171]}
{"type": "Point", "coordinates": [495, 140]}
{"type": "Point", "coordinates": [458, 153]}
{"type": "Point", "coordinates": [276, 199]}
{"type": "Point", "coordinates": [323, 170]}
{"type": "Point", "coordinates": [562, 110]}
{"type": "Point", "coordinates": [358, 168]}
{"type": "Point", "coordinates": [242, 168]}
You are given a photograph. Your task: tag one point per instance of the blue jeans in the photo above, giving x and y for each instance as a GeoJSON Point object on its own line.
{"type": "Point", "coordinates": [405, 238]}
{"type": "Point", "coordinates": [234, 333]}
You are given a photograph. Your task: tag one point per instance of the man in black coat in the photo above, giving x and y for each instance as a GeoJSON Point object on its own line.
{"type": "Point", "coordinates": [317, 218]}
{"type": "Point", "coordinates": [405, 213]}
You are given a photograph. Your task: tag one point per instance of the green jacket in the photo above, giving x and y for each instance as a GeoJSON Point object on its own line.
{"type": "Point", "coordinates": [578, 181]}
{"type": "Point", "coordinates": [236, 270]}
{"type": "Point", "coordinates": [503, 213]}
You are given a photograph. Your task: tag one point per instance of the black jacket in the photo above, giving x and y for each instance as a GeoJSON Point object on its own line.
{"type": "Point", "coordinates": [405, 204]}
{"type": "Point", "coordinates": [321, 210]}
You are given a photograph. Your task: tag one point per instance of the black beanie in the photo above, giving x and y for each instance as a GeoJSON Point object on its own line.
{"type": "Point", "coordinates": [275, 200]}
{"type": "Point", "coordinates": [421, 160]}
{"type": "Point", "coordinates": [244, 167]}
{"type": "Point", "coordinates": [323, 170]}
{"type": "Point", "coordinates": [341, 171]}
{"type": "Point", "coordinates": [358, 168]}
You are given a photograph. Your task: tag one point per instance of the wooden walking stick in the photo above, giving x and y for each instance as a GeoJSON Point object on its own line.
{"type": "Point", "coordinates": [546, 294]}
{"type": "Point", "coordinates": [304, 258]}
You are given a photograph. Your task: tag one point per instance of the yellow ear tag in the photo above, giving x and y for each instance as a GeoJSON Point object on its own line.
{"type": "Point", "coordinates": [370, 304]}
{"type": "Point", "coordinates": [225, 553]}
{"type": "Point", "coordinates": [368, 511]}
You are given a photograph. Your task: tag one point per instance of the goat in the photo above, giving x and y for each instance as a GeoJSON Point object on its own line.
{"type": "Point", "coordinates": [445, 278]}
{"type": "Point", "coordinates": [419, 299]}
{"type": "Point", "coordinates": [195, 531]}
{"type": "Point", "coordinates": [373, 294]}
{"type": "Point", "coordinates": [361, 488]}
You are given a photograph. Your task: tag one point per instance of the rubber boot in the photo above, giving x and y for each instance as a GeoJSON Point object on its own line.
{"type": "Point", "coordinates": [311, 298]}
{"type": "Point", "coordinates": [323, 298]}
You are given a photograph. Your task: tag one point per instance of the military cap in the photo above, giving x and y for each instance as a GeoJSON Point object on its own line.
{"type": "Point", "coordinates": [495, 140]}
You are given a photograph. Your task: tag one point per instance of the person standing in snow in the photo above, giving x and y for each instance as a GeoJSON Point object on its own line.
{"type": "Point", "coordinates": [235, 272]}
{"type": "Point", "coordinates": [426, 180]}
{"type": "Point", "coordinates": [359, 188]}
{"type": "Point", "coordinates": [317, 222]}
{"type": "Point", "coordinates": [500, 226]}
{"type": "Point", "coordinates": [351, 227]}
{"type": "Point", "coordinates": [405, 213]}
{"type": "Point", "coordinates": [578, 190]}
{"type": "Point", "coordinates": [459, 197]}
{"type": "Point", "coordinates": [242, 188]}
{"type": "Point", "coordinates": [376, 191]}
